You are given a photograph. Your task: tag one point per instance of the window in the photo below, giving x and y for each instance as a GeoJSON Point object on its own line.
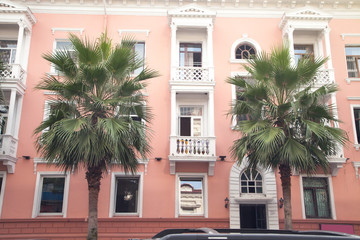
{"type": "Point", "coordinates": [356, 112]}
{"type": "Point", "coordinates": [2, 187]}
{"type": "Point", "coordinates": [190, 121]}
{"type": "Point", "coordinates": [126, 194]}
{"type": "Point", "coordinates": [139, 49]}
{"type": "Point", "coordinates": [63, 45]}
{"type": "Point", "coordinates": [316, 197]}
{"type": "Point", "coordinates": [51, 194]}
{"type": "Point", "coordinates": [353, 61]}
{"type": "Point", "coordinates": [251, 181]}
{"type": "Point", "coordinates": [303, 52]}
{"type": "Point", "coordinates": [7, 51]}
{"type": "Point", "coordinates": [245, 51]}
{"type": "Point", "coordinates": [190, 55]}
{"type": "Point", "coordinates": [191, 200]}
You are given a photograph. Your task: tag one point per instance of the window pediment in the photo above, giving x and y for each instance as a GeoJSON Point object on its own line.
{"type": "Point", "coordinates": [305, 14]}
{"type": "Point", "coordinates": [191, 10]}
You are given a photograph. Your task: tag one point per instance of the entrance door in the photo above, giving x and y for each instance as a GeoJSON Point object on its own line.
{"type": "Point", "coordinates": [253, 216]}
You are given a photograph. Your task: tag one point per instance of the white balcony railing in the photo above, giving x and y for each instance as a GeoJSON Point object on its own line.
{"type": "Point", "coordinates": [192, 74]}
{"type": "Point", "coordinates": [8, 145]}
{"type": "Point", "coordinates": [13, 72]}
{"type": "Point", "coordinates": [324, 76]}
{"type": "Point", "coordinates": [192, 146]}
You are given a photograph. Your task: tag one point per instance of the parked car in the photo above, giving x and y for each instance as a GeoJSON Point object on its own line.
{"type": "Point", "coordinates": [249, 234]}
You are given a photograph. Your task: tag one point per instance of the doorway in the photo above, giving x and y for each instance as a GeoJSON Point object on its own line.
{"type": "Point", "coordinates": [253, 216]}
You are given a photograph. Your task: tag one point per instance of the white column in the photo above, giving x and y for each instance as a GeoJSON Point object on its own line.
{"type": "Point", "coordinates": [173, 113]}
{"type": "Point", "coordinates": [327, 47]}
{"type": "Point", "coordinates": [174, 58]}
{"type": "Point", "coordinates": [290, 33]}
{"type": "Point", "coordinates": [18, 116]}
{"type": "Point", "coordinates": [211, 114]}
{"type": "Point", "coordinates": [20, 39]}
{"type": "Point", "coordinates": [10, 122]}
{"type": "Point", "coordinates": [210, 51]}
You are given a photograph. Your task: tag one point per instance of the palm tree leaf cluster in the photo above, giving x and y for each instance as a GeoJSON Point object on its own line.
{"type": "Point", "coordinates": [96, 94]}
{"type": "Point", "coordinates": [289, 120]}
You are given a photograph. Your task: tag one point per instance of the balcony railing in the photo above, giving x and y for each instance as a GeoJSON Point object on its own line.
{"type": "Point", "coordinates": [8, 145]}
{"type": "Point", "coordinates": [324, 76]}
{"type": "Point", "coordinates": [13, 72]}
{"type": "Point", "coordinates": [192, 146]}
{"type": "Point", "coordinates": [192, 74]}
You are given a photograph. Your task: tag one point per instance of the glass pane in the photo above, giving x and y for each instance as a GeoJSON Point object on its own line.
{"type": "Point", "coordinates": [191, 196]}
{"type": "Point", "coordinates": [52, 195]}
{"type": "Point", "coordinates": [251, 189]}
{"type": "Point", "coordinates": [1, 179]}
{"type": "Point", "coordinates": [354, 51]}
{"type": "Point", "coordinates": [258, 189]}
{"type": "Point", "coordinates": [322, 203]}
{"type": "Point", "coordinates": [64, 45]}
{"type": "Point", "coordinates": [244, 190]}
{"type": "Point", "coordinates": [196, 127]}
{"type": "Point", "coordinates": [3, 125]}
{"type": "Point", "coordinates": [357, 123]}
{"type": "Point", "coordinates": [127, 195]}
{"type": "Point", "coordinates": [309, 203]}
{"type": "Point", "coordinates": [139, 49]}
{"type": "Point", "coordinates": [191, 111]}
{"type": "Point", "coordinates": [315, 182]}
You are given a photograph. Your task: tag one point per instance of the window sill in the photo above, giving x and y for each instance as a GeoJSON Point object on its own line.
{"type": "Point", "coordinates": [238, 60]}
{"type": "Point", "coordinates": [50, 215]}
{"type": "Point", "coordinates": [349, 80]}
{"type": "Point", "coordinates": [192, 216]}
{"type": "Point", "coordinates": [126, 215]}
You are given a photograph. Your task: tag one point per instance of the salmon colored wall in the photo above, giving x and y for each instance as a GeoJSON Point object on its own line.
{"type": "Point", "coordinates": [159, 185]}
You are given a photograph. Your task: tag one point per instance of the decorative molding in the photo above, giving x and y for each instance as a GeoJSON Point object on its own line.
{"type": "Point", "coordinates": [343, 35]}
{"type": "Point", "coordinates": [349, 80]}
{"type": "Point", "coordinates": [80, 30]}
{"type": "Point", "coordinates": [146, 31]}
{"type": "Point", "coordinates": [353, 98]}
{"type": "Point", "coordinates": [357, 146]}
{"type": "Point", "coordinates": [357, 167]}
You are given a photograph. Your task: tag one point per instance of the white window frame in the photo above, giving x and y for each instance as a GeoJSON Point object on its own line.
{"type": "Point", "coordinates": [11, 51]}
{"type": "Point", "coordinates": [330, 191]}
{"type": "Point", "coordinates": [38, 191]}
{"type": "Point", "coordinates": [233, 93]}
{"type": "Point", "coordinates": [262, 183]}
{"type": "Point", "coordinates": [244, 40]}
{"type": "Point", "coordinates": [352, 107]}
{"type": "Point", "coordinates": [3, 176]}
{"type": "Point", "coordinates": [203, 176]}
{"type": "Point", "coordinates": [144, 57]}
{"type": "Point", "coordinates": [52, 69]}
{"type": "Point", "coordinates": [192, 119]}
{"type": "Point", "coordinates": [113, 188]}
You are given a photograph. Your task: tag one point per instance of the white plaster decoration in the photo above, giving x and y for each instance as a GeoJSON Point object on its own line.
{"type": "Point", "coordinates": [268, 197]}
{"type": "Point", "coordinates": [245, 39]}
{"type": "Point", "coordinates": [343, 35]}
{"type": "Point", "coordinates": [357, 146]}
{"type": "Point", "coordinates": [349, 80]}
{"type": "Point", "coordinates": [353, 98]}
{"type": "Point", "coordinates": [11, 113]}
{"type": "Point", "coordinates": [211, 117]}
{"type": "Point", "coordinates": [80, 30]}
{"type": "Point", "coordinates": [2, 192]}
{"type": "Point", "coordinates": [20, 39]}
{"type": "Point", "coordinates": [37, 161]}
{"type": "Point", "coordinates": [192, 11]}
{"type": "Point", "coordinates": [18, 116]}
{"type": "Point", "coordinates": [146, 31]}
{"type": "Point", "coordinates": [357, 167]}
{"type": "Point", "coordinates": [327, 47]}
{"type": "Point", "coordinates": [113, 188]}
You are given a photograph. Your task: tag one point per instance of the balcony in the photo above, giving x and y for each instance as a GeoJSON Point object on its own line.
{"type": "Point", "coordinates": [13, 73]}
{"type": "Point", "coordinates": [324, 76]}
{"type": "Point", "coordinates": [192, 75]}
{"type": "Point", "coordinates": [8, 147]}
{"type": "Point", "coordinates": [192, 149]}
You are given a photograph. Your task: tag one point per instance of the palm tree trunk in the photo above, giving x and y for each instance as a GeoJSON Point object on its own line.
{"type": "Point", "coordinates": [285, 176]}
{"type": "Point", "coordinates": [93, 177]}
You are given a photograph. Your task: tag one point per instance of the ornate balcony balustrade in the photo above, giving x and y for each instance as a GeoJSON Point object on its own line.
{"type": "Point", "coordinates": [192, 146]}
{"type": "Point", "coordinates": [192, 74]}
{"type": "Point", "coordinates": [324, 76]}
{"type": "Point", "coordinates": [13, 72]}
{"type": "Point", "coordinates": [8, 147]}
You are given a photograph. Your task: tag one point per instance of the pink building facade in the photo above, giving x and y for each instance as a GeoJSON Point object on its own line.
{"type": "Point", "coordinates": [195, 46]}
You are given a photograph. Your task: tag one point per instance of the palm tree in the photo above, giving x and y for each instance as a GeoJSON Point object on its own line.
{"type": "Point", "coordinates": [288, 122]}
{"type": "Point", "coordinates": [90, 124]}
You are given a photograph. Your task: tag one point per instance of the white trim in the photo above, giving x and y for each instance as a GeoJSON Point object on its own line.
{"type": "Point", "coordinates": [352, 107]}
{"type": "Point", "coordinates": [349, 80]}
{"type": "Point", "coordinates": [243, 40]}
{"type": "Point", "coordinates": [115, 175]}
{"type": "Point", "coordinates": [268, 197]}
{"type": "Point", "coordinates": [330, 190]}
{"type": "Point", "coordinates": [353, 98]}
{"type": "Point", "coordinates": [343, 35]}
{"type": "Point", "coordinates": [357, 168]}
{"type": "Point", "coordinates": [3, 175]}
{"type": "Point", "coordinates": [80, 30]}
{"type": "Point", "coordinates": [38, 190]}
{"type": "Point", "coordinates": [177, 193]}
{"type": "Point", "coordinates": [146, 31]}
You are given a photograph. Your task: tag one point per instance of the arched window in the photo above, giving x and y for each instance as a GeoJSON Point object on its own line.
{"type": "Point", "coordinates": [251, 181]}
{"type": "Point", "coordinates": [245, 51]}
